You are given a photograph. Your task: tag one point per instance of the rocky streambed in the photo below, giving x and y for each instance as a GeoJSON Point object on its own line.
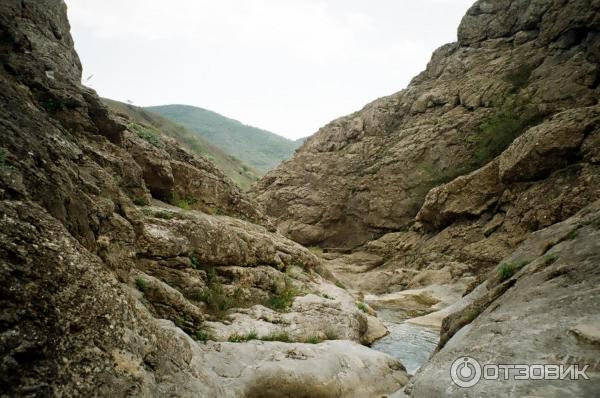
{"type": "Point", "coordinates": [411, 344]}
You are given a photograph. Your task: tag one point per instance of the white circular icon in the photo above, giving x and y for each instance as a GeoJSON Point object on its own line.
{"type": "Point", "coordinates": [465, 372]}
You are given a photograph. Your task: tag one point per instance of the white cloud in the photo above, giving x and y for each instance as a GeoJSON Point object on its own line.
{"type": "Point", "coordinates": [288, 66]}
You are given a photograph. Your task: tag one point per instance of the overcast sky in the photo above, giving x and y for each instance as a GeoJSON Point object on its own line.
{"type": "Point", "coordinates": [288, 66]}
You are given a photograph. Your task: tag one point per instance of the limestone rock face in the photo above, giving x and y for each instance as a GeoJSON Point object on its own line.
{"type": "Point", "coordinates": [549, 146]}
{"type": "Point", "coordinates": [121, 254]}
{"type": "Point", "coordinates": [538, 306]}
{"type": "Point", "coordinates": [517, 66]}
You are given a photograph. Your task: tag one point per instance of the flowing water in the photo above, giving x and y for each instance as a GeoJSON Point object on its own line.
{"type": "Point", "coordinates": [411, 344]}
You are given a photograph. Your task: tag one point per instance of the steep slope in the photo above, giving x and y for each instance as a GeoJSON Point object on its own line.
{"type": "Point", "coordinates": [258, 148]}
{"type": "Point", "coordinates": [239, 172]}
{"type": "Point", "coordinates": [107, 290]}
{"type": "Point", "coordinates": [515, 65]}
{"type": "Point", "coordinates": [558, 279]}
{"type": "Point", "coordinates": [481, 179]}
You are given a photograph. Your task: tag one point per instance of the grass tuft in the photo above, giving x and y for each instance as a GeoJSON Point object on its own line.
{"type": "Point", "coordinates": [508, 269]}
{"type": "Point", "coordinates": [282, 336]}
{"type": "Point", "coordinates": [362, 306]}
{"type": "Point", "coordinates": [549, 259]}
{"type": "Point", "coordinates": [241, 338]}
{"type": "Point", "coordinates": [573, 234]}
{"type": "Point", "coordinates": [283, 297]}
{"type": "Point", "coordinates": [501, 128]}
{"type": "Point", "coordinates": [202, 335]}
{"type": "Point", "coordinates": [217, 299]}
{"type": "Point", "coordinates": [141, 284]}
{"type": "Point", "coordinates": [148, 134]}
{"type": "Point", "coordinates": [140, 201]}
{"type": "Point", "coordinates": [314, 339]}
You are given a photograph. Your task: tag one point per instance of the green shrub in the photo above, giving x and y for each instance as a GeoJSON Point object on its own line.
{"type": "Point", "coordinates": [283, 298]}
{"type": "Point", "coordinates": [217, 299]}
{"type": "Point", "coordinates": [573, 234]}
{"type": "Point", "coordinates": [202, 335]}
{"type": "Point", "coordinates": [53, 105]}
{"type": "Point", "coordinates": [277, 336]}
{"type": "Point", "coordinates": [362, 306]}
{"type": "Point", "coordinates": [507, 270]}
{"type": "Point", "coordinates": [340, 285]}
{"type": "Point", "coordinates": [167, 215]}
{"type": "Point", "coordinates": [140, 201]}
{"type": "Point", "coordinates": [549, 259]}
{"type": "Point", "coordinates": [183, 203]}
{"type": "Point", "coordinates": [148, 134]}
{"type": "Point", "coordinates": [237, 338]}
{"type": "Point", "coordinates": [141, 284]}
{"type": "Point", "coordinates": [501, 128]}
{"type": "Point", "coordinates": [315, 250]}
{"type": "Point", "coordinates": [195, 262]}
{"type": "Point", "coordinates": [314, 339]}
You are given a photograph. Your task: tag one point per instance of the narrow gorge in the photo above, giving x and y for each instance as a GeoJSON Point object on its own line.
{"type": "Point", "coordinates": [459, 217]}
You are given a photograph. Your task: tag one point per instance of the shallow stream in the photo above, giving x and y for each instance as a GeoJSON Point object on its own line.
{"type": "Point", "coordinates": [411, 344]}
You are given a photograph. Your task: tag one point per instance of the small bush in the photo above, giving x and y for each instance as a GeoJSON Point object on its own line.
{"type": "Point", "coordinates": [52, 105]}
{"type": "Point", "coordinates": [141, 284]}
{"type": "Point", "coordinates": [238, 338]}
{"type": "Point", "coordinates": [501, 128]}
{"type": "Point", "coordinates": [183, 203]}
{"type": "Point", "coordinates": [573, 234]}
{"type": "Point", "coordinates": [217, 300]}
{"type": "Point", "coordinates": [340, 285]}
{"type": "Point", "coordinates": [313, 339]}
{"type": "Point", "coordinates": [507, 270]}
{"type": "Point", "coordinates": [328, 297]}
{"type": "Point", "coordinates": [140, 201]}
{"type": "Point", "coordinates": [202, 335]}
{"type": "Point", "coordinates": [331, 334]}
{"type": "Point", "coordinates": [277, 336]}
{"type": "Point", "coordinates": [549, 259]}
{"type": "Point", "coordinates": [148, 134]}
{"type": "Point", "coordinates": [436, 176]}
{"type": "Point", "coordinates": [166, 215]}
{"type": "Point", "coordinates": [283, 298]}
{"type": "Point", "coordinates": [362, 306]}
{"type": "Point", "coordinates": [315, 250]}
{"type": "Point", "coordinates": [195, 262]}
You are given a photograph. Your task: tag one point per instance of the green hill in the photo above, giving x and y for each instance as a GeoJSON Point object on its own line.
{"type": "Point", "coordinates": [259, 148]}
{"type": "Point", "coordinates": [241, 173]}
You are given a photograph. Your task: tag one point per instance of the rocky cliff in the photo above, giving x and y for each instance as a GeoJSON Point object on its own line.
{"type": "Point", "coordinates": [519, 69]}
{"type": "Point", "coordinates": [131, 267]}
{"type": "Point", "coordinates": [480, 179]}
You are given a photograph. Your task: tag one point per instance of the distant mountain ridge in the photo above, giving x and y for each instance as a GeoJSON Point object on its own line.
{"type": "Point", "coordinates": [241, 173]}
{"type": "Point", "coordinates": [259, 148]}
